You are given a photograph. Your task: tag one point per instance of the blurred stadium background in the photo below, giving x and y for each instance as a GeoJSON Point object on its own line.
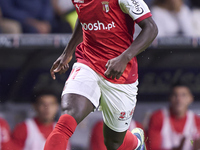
{"type": "Point", "coordinates": [25, 61]}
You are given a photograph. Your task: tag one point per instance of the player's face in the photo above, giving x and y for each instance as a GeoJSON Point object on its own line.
{"type": "Point", "coordinates": [180, 99]}
{"type": "Point", "coordinates": [46, 107]}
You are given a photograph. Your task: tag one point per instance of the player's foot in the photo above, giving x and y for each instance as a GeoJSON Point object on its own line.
{"type": "Point", "coordinates": [140, 135]}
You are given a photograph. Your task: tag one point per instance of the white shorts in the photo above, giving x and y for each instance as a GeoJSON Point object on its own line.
{"type": "Point", "coordinates": [117, 101]}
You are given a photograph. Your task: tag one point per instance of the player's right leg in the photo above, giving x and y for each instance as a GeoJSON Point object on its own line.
{"type": "Point", "coordinates": [75, 108]}
{"type": "Point", "coordinates": [80, 96]}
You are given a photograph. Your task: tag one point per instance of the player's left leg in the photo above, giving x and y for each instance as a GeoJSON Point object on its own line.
{"type": "Point", "coordinates": [80, 96]}
{"type": "Point", "coordinates": [117, 103]}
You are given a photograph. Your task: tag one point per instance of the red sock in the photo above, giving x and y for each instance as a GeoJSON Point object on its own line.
{"type": "Point", "coordinates": [130, 142]}
{"type": "Point", "coordinates": [63, 130]}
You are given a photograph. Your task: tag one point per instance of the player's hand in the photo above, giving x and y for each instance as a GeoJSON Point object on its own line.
{"type": "Point", "coordinates": [196, 144]}
{"type": "Point", "coordinates": [115, 67]}
{"type": "Point", "coordinates": [180, 147]}
{"type": "Point", "coordinates": [60, 65]}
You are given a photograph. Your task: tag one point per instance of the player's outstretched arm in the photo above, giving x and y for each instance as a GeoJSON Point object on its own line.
{"type": "Point", "coordinates": [61, 64]}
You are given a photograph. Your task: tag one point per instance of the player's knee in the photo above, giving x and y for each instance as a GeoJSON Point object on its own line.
{"type": "Point", "coordinates": [68, 107]}
{"type": "Point", "coordinates": [72, 111]}
{"type": "Point", "coordinates": [112, 145]}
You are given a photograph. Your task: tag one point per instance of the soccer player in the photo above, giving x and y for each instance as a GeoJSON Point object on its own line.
{"type": "Point", "coordinates": [32, 134]}
{"type": "Point", "coordinates": [97, 139]}
{"type": "Point", "coordinates": [176, 127]}
{"type": "Point", "coordinates": [106, 70]}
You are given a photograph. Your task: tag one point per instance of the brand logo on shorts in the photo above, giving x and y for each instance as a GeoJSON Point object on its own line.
{"type": "Point", "coordinates": [126, 115]}
{"type": "Point", "coordinates": [105, 6]}
{"type": "Point", "coordinates": [136, 9]}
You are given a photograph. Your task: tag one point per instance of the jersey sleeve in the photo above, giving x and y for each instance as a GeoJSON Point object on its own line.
{"type": "Point", "coordinates": [137, 9]}
{"type": "Point", "coordinates": [5, 139]}
{"type": "Point", "coordinates": [154, 131]}
{"type": "Point", "coordinates": [197, 120]}
{"type": "Point", "coordinates": [19, 135]}
{"type": "Point", "coordinates": [6, 142]}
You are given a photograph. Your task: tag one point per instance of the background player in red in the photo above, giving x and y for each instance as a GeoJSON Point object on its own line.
{"type": "Point", "coordinates": [97, 139]}
{"type": "Point", "coordinates": [5, 138]}
{"type": "Point", "coordinates": [173, 128]}
{"type": "Point", "coordinates": [106, 71]}
{"type": "Point", "coordinates": [32, 134]}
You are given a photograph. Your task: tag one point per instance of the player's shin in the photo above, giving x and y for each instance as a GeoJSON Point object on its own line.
{"type": "Point", "coordinates": [63, 130]}
{"type": "Point", "coordinates": [130, 142]}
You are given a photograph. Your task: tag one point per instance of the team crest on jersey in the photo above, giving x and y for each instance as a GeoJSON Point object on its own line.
{"type": "Point", "coordinates": [105, 6]}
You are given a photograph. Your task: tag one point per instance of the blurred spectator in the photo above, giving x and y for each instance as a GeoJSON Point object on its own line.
{"type": "Point", "coordinates": [8, 25]}
{"type": "Point", "coordinates": [196, 16]}
{"type": "Point", "coordinates": [65, 15]}
{"type": "Point", "coordinates": [97, 139]}
{"type": "Point", "coordinates": [35, 16]}
{"type": "Point", "coordinates": [32, 134]}
{"type": "Point", "coordinates": [5, 139]}
{"type": "Point", "coordinates": [174, 128]}
{"type": "Point", "coordinates": [172, 17]}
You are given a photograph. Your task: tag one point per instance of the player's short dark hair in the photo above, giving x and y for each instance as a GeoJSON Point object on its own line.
{"type": "Point", "coordinates": [180, 84]}
{"type": "Point", "coordinates": [195, 3]}
{"type": "Point", "coordinates": [43, 91]}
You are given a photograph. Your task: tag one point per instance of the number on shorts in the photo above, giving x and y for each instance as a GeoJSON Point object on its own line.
{"type": "Point", "coordinates": [122, 115]}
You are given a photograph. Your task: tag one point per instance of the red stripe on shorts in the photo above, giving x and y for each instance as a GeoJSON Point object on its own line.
{"type": "Point", "coordinates": [76, 72]}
